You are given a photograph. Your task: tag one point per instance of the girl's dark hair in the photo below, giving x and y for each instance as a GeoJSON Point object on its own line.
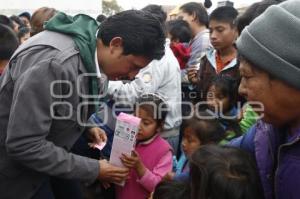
{"type": "Point", "coordinates": [179, 29]}
{"type": "Point", "coordinates": [223, 171]}
{"type": "Point", "coordinates": [206, 127]}
{"type": "Point", "coordinates": [172, 190]}
{"type": "Point", "coordinates": [228, 87]}
{"type": "Point", "coordinates": [155, 105]}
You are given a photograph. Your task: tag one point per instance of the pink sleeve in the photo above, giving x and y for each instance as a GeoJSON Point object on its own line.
{"type": "Point", "coordinates": [151, 178]}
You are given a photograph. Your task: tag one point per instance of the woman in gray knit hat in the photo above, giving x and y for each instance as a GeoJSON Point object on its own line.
{"type": "Point", "coordinates": [270, 69]}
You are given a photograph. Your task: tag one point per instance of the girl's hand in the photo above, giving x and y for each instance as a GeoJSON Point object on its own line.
{"type": "Point", "coordinates": [134, 162]}
{"type": "Point", "coordinates": [131, 161]}
{"type": "Point", "coordinates": [169, 176]}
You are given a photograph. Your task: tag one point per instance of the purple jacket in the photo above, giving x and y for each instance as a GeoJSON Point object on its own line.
{"type": "Point", "coordinates": [278, 159]}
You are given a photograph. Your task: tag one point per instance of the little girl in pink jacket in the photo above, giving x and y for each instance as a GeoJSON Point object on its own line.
{"type": "Point", "coordinates": [152, 157]}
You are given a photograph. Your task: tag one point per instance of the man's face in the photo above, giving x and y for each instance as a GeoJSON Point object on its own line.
{"type": "Point", "coordinates": [114, 64]}
{"type": "Point", "coordinates": [280, 101]}
{"type": "Point", "coordinates": [222, 34]}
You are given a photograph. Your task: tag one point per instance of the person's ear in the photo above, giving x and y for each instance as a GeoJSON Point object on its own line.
{"type": "Point", "coordinates": [116, 44]}
{"type": "Point", "coordinates": [194, 17]}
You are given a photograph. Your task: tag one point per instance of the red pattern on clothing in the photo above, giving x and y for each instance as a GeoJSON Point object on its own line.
{"type": "Point", "coordinates": [182, 53]}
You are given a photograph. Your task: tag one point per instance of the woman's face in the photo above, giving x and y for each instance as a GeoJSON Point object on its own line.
{"type": "Point", "coordinates": [279, 103]}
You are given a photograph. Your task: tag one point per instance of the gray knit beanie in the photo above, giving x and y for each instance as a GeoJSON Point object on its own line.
{"type": "Point", "coordinates": [272, 42]}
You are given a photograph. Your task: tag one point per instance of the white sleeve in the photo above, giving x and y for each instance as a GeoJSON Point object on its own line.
{"type": "Point", "coordinates": [147, 80]}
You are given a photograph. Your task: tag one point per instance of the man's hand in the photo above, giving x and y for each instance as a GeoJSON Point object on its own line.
{"type": "Point", "coordinates": [192, 75]}
{"type": "Point", "coordinates": [109, 173]}
{"type": "Point", "coordinates": [97, 136]}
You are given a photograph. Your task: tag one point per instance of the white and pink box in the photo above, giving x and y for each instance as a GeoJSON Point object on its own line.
{"type": "Point", "coordinates": [124, 138]}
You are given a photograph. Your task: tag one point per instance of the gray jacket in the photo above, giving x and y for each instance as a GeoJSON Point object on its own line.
{"type": "Point", "coordinates": [39, 116]}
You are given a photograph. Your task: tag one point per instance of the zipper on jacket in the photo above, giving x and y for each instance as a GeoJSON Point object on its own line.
{"type": "Point", "coordinates": [278, 158]}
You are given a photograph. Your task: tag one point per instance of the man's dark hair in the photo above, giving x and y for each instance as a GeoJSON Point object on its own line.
{"type": "Point", "coordinates": [8, 42]}
{"type": "Point", "coordinates": [100, 18]}
{"type": "Point", "coordinates": [225, 14]}
{"type": "Point", "coordinates": [179, 29]}
{"type": "Point", "coordinates": [156, 11]}
{"type": "Point", "coordinates": [6, 21]}
{"type": "Point", "coordinates": [141, 32]}
{"type": "Point", "coordinates": [252, 12]}
{"type": "Point", "coordinates": [198, 10]}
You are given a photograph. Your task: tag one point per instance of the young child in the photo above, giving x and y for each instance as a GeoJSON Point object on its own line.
{"type": "Point", "coordinates": [221, 100]}
{"type": "Point", "coordinates": [180, 34]}
{"type": "Point", "coordinates": [199, 130]}
{"type": "Point", "coordinates": [222, 60]}
{"type": "Point", "coordinates": [223, 172]}
{"type": "Point", "coordinates": [152, 157]}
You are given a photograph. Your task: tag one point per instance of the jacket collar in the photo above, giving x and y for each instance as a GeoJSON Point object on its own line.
{"type": "Point", "coordinates": [211, 57]}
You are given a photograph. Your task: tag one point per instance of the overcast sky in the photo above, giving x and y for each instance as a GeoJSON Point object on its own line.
{"type": "Point", "coordinates": [93, 4]}
{"type": "Point", "coordinates": [58, 4]}
{"type": "Point", "coordinates": [141, 3]}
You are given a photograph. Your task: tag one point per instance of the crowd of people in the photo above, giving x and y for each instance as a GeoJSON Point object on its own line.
{"type": "Point", "coordinates": [217, 96]}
